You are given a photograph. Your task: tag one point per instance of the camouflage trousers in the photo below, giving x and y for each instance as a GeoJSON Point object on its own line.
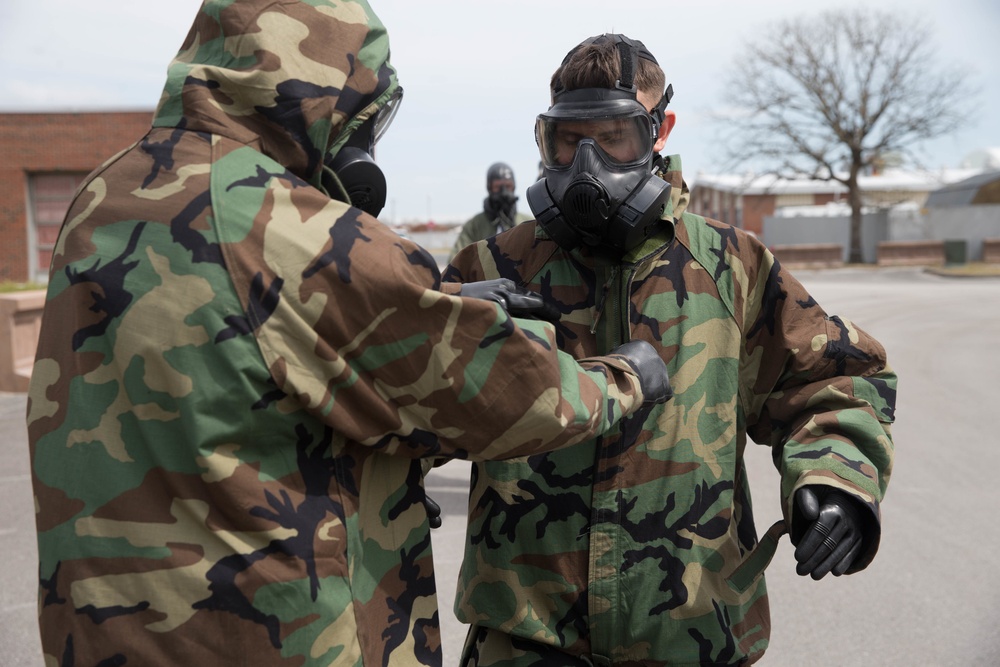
{"type": "Point", "coordinates": [487, 647]}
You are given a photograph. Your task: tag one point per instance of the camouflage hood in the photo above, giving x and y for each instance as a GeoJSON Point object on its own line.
{"type": "Point", "coordinates": [292, 79]}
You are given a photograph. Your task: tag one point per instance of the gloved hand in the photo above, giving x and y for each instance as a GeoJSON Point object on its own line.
{"type": "Point", "coordinates": [652, 371]}
{"type": "Point", "coordinates": [433, 512]}
{"type": "Point", "coordinates": [517, 301]}
{"type": "Point", "coordinates": [827, 531]}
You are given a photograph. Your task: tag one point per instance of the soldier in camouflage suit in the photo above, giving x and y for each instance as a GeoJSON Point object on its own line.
{"type": "Point", "coordinates": [639, 547]}
{"type": "Point", "coordinates": [237, 374]}
{"type": "Point", "coordinates": [499, 209]}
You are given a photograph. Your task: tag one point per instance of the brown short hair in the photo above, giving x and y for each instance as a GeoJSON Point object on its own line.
{"type": "Point", "coordinates": [598, 65]}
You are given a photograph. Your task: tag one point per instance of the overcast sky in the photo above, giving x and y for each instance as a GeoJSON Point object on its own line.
{"type": "Point", "coordinates": [475, 73]}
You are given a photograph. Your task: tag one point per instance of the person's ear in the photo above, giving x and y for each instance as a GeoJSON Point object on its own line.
{"type": "Point", "coordinates": [669, 118]}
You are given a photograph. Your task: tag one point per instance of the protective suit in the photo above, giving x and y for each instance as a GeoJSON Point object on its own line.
{"type": "Point", "coordinates": [238, 373]}
{"type": "Point", "coordinates": [499, 209]}
{"type": "Point", "coordinates": [639, 547]}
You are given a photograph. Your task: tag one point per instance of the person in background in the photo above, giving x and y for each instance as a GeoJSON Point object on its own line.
{"type": "Point", "coordinates": [638, 547]}
{"type": "Point", "coordinates": [499, 209]}
{"type": "Point", "coordinates": [240, 369]}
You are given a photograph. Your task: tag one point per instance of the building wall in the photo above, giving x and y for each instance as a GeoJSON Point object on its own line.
{"type": "Point", "coordinates": [755, 209]}
{"type": "Point", "coordinates": [720, 203]}
{"type": "Point", "coordinates": [900, 218]}
{"type": "Point", "coordinates": [971, 224]}
{"type": "Point", "coordinates": [890, 198]}
{"type": "Point", "coordinates": [740, 210]}
{"type": "Point", "coordinates": [49, 143]}
{"type": "Point", "coordinates": [824, 198]}
{"type": "Point", "coordinates": [808, 230]}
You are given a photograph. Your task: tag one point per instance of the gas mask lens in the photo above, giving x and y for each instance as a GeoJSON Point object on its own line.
{"type": "Point", "coordinates": [384, 116]}
{"type": "Point", "coordinates": [368, 133]}
{"type": "Point", "coordinates": [626, 141]}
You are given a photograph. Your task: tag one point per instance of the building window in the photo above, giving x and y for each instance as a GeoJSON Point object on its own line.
{"type": "Point", "coordinates": [890, 198]}
{"type": "Point", "coordinates": [794, 200]}
{"type": "Point", "coordinates": [50, 196]}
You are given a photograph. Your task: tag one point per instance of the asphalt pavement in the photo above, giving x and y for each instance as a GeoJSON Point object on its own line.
{"type": "Point", "coordinates": [19, 643]}
{"type": "Point", "coordinates": [930, 598]}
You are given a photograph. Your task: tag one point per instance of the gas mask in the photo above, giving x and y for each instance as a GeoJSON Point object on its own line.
{"type": "Point", "coordinates": [354, 164]}
{"type": "Point", "coordinates": [501, 202]}
{"type": "Point", "coordinates": [598, 185]}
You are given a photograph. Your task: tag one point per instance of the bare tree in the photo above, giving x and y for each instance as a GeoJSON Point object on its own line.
{"type": "Point", "coordinates": [828, 96]}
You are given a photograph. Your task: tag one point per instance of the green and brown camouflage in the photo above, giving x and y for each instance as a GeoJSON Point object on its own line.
{"type": "Point", "coordinates": [480, 226]}
{"type": "Point", "coordinates": [639, 547]}
{"type": "Point", "coordinates": [237, 376]}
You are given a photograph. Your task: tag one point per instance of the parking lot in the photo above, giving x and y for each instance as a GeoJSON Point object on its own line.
{"type": "Point", "coordinates": [931, 597]}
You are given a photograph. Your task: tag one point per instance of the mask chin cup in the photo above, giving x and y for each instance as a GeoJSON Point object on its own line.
{"type": "Point", "coordinates": [361, 178]}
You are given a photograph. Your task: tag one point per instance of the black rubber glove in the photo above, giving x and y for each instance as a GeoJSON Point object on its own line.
{"type": "Point", "coordinates": [652, 371]}
{"type": "Point", "coordinates": [827, 531]}
{"type": "Point", "coordinates": [517, 301]}
{"type": "Point", "coordinates": [433, 512]}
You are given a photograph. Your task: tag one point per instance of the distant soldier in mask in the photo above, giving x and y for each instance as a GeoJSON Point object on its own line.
{"type": "Point", "coordinates": [240, 370]}
{"type": "Point", "coordinates": [639, 547]}
{"type": "Point", "coordinates": [499, 209]}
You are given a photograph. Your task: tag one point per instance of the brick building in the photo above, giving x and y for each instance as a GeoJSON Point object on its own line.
{"type": "Point", "coordinates": [746, 200]}
{"type": "Point", "coordinates": [43, 158]}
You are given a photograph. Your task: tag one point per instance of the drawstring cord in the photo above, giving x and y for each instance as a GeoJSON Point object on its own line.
{"type": "Point", "coordinates": [330, 184]}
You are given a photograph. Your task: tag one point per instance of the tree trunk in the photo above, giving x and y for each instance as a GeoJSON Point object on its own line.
{"type": "Point", "coordinates": [854, 196]}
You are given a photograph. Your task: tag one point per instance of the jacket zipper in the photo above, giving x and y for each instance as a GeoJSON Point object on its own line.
{"type": "Point", "coordinates": [612, 633]}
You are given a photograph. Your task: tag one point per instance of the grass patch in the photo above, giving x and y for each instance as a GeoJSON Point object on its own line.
{"type": "Point", "coordinates": [11, 286]}
{"type": "Point", "coordinates": [970, 270]}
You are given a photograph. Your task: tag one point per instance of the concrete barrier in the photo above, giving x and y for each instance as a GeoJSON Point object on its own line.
{"type": "Point", "coordinates": [991, 251]}
{"type": "Point", "coordinates": [20, 322]}
{"type": "Point", "coordinates": [810, 256]}
{"type": "Point", "coordinates": [910, 253]}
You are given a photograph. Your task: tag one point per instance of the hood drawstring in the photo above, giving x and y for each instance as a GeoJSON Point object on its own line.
{"type": "Point", "coordinates": [331, 185]}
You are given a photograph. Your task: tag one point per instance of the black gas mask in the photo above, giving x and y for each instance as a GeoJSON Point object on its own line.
{"type": "Point", "coordinates": [354, 164]}
{"type": "Point", "coordinates": [503, 201]}
{"type": "Point", "coordinates": [598, 185]}
{"type": "Point", "coordinates": [500, 202]}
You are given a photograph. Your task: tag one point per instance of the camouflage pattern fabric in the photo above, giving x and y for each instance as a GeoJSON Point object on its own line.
{"type": "Point", "coordinates": [479, 227]}
{"type": "Point", "coordinates": [637, 547]}
{"type": "Point", "coordinates": [237, 375]}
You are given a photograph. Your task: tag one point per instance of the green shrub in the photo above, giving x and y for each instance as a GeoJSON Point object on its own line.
{"type": "Point", "coordinates": [11, 286]}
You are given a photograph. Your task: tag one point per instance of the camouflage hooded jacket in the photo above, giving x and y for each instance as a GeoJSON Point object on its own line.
{"type": "Point", "coordinates": [638, 547]}
{"type": "Point", "coordinates": [236, 374]}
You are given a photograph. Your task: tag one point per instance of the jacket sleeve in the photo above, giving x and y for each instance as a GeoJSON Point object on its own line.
{"type": "Point", "coordinates": [358, 331]}
{"type": "Point", "coordinates": [819, 391]}
{"type": "Point", "coordinates": [465, 237]}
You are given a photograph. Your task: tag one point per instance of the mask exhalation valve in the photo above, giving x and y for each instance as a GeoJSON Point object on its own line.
{"type": "Point", "coordinates": [585, 205]}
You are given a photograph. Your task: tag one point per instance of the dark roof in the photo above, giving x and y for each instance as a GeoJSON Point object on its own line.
{"type": "Point", "coordinates": [980, 189]}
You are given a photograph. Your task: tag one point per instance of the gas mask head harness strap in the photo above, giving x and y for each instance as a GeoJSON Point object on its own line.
{"type": "Point", "coordinates": [354, 164]}
{"type": "Point", "coordinates": [598, 186]}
